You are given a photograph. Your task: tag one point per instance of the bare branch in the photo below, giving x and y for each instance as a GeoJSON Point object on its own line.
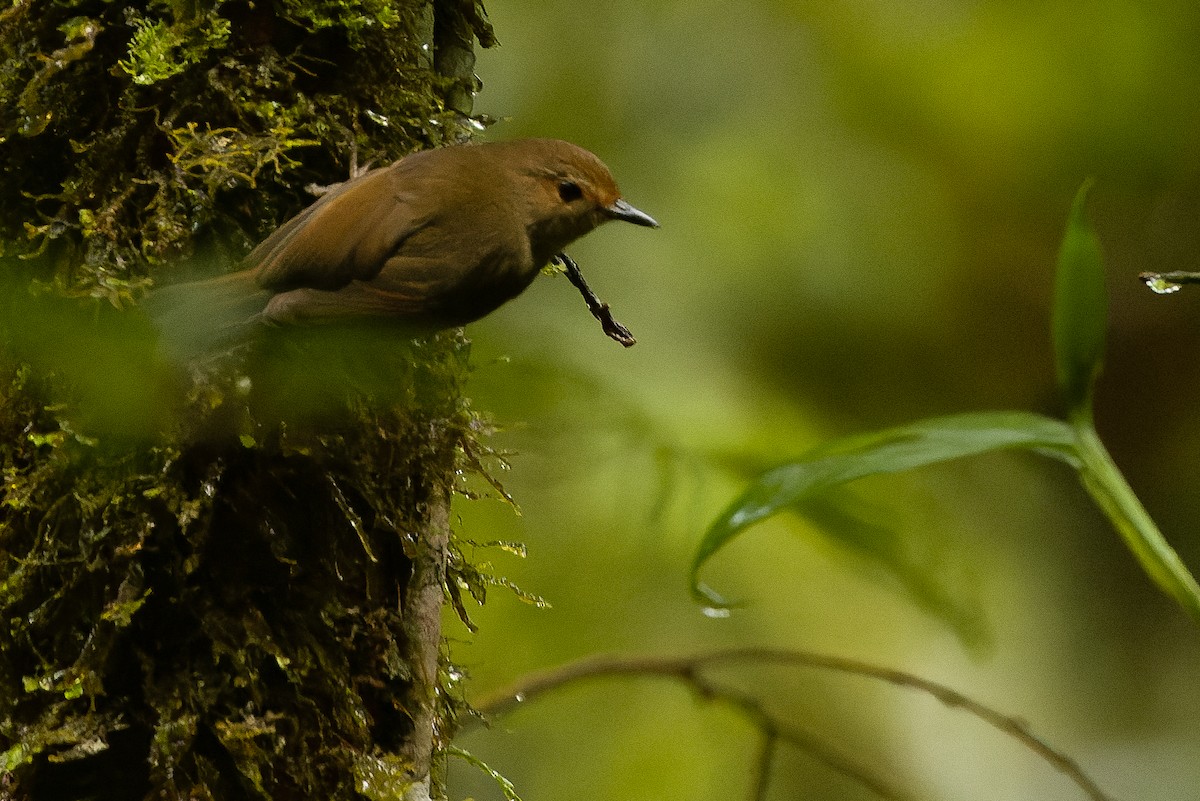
{"type": "Point", "coordinates": [762, 767]}
{"type": "Point", "coordinates": [774, 731]}
{"type": "Point", "coordinates": [689, 670]}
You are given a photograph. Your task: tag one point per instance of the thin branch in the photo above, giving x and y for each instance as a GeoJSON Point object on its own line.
{"type": "Point", "coordinates": [687, 668]}
{"type": "Point", "coordinates": [598, 308]}
{"type": "Point", "coordinates": [762, 766]}
{"type": "Point", "coordinates": [773, 731]}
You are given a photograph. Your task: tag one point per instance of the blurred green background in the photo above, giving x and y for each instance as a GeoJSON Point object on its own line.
{"type": "Point", "coordinates": [861, 204]}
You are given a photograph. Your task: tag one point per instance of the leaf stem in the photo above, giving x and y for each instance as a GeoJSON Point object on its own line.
{"type": "Point", "coordinates": [691, 671]}
{"type": "Point", "coordinates": [1110, 490]}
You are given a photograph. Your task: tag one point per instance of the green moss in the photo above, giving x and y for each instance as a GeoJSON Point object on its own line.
{"type": "Point", "coordinates": [202, 577]}
{"type": "Point", "coordinates": [228, 602]}
{"type": "Point", "coordinates": [181, 120]}
{"type": "Point", "coordinates": [354, 18]}
{"type": "Point", "coordinates": [158, 50]}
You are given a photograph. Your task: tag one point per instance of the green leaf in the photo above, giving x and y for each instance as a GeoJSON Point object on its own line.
{"type": "Point", "coordinates": [506, 787]}
{"type": "Point", "coordinates": [1080, 309]}
{"type": "Point", "coordinates": [1117, 500]}
{"type": "Point", "coordinates": [893, 450]}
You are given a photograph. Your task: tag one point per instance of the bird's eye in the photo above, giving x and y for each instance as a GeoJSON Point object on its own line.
{"type": "Point", "coordinates": [569, 191]}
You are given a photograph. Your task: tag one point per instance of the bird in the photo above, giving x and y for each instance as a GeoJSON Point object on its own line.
{"type": "Point", "coordinates": [436, 240]}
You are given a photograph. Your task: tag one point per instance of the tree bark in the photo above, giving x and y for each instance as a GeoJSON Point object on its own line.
{"type": "Point", "coordinates": [224, 581]}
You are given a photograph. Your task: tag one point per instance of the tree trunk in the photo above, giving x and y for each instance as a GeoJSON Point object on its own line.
{"type": "Point", "coordinates": [223, 582]}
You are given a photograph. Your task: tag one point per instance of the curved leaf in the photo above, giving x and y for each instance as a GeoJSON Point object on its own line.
{"type": "Point", "coordinates": [1080, 309]}
{"type": "Point", "coordinates": [893, 450]}
{"type": "Point", "coordinates": [1114, 496]}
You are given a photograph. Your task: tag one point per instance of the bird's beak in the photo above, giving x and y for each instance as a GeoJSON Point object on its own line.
{"type": "Point", "coordinates": [620, 210]}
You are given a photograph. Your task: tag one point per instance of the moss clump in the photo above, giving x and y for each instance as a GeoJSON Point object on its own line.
{"type": "Point", "coordinates": [224, 615]}
{"type": "Point", "coordinates": [129, 130]}
{"type": "Point", "coordinates": [205, 581]}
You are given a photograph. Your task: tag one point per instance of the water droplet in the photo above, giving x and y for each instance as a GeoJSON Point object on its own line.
{"type": "Point", "coordinates": [717, 612]}
{"type": "Point", "coordinates": [1162, 286]}
{"type": "Point", "coordinates": [519, 698]}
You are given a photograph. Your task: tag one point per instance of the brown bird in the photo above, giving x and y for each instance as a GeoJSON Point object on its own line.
{"type": "Point", "coordinates": [438, 239]}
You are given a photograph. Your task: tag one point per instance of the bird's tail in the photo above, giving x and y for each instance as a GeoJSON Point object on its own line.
{"type": "Point", "coordinates": [201, 318]}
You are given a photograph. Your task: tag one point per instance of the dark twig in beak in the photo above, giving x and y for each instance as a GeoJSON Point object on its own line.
{"type": "Point", "coordinates": [598, 308]}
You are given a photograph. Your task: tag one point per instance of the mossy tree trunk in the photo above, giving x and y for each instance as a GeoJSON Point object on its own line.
{"type": "Point", "coordinates": [222, 582]}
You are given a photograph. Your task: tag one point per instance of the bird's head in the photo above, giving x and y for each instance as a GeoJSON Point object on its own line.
{"type": "Point", "coordinates": [570, 192]}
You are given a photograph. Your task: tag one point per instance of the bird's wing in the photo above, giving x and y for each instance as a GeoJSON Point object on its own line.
{"type": "Point", "coordinates": [357, 299]}
{"type": "Point", "coordinates": [347, 235]}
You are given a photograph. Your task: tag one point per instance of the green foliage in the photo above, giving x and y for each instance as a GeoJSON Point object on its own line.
{"type": "Point", "coordinates": [130, 129]}
{"type": "Point", "coordinates": [506, 787]}
{"type": "Point", "coordinates": [811, 487]}
{"type": "Point", "coordinates": [1080, 309]}
{"type": "Point", "coordinates": [1079, 324]}
{"type": "Point", "coordinates": [476, 577]}
{"type": "Point", "coordinates": [158, 51]}
{"type": "Point", "coordinates": [354, 18]}
{"type": "Point", "coordinates": [1108, 488]}
{"type": "Point", "coordinates": [382, 778]}
{"type": "Point", "coordinates": [203, 568]}
{"type": "Point", "coordinates": [224, 602]}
